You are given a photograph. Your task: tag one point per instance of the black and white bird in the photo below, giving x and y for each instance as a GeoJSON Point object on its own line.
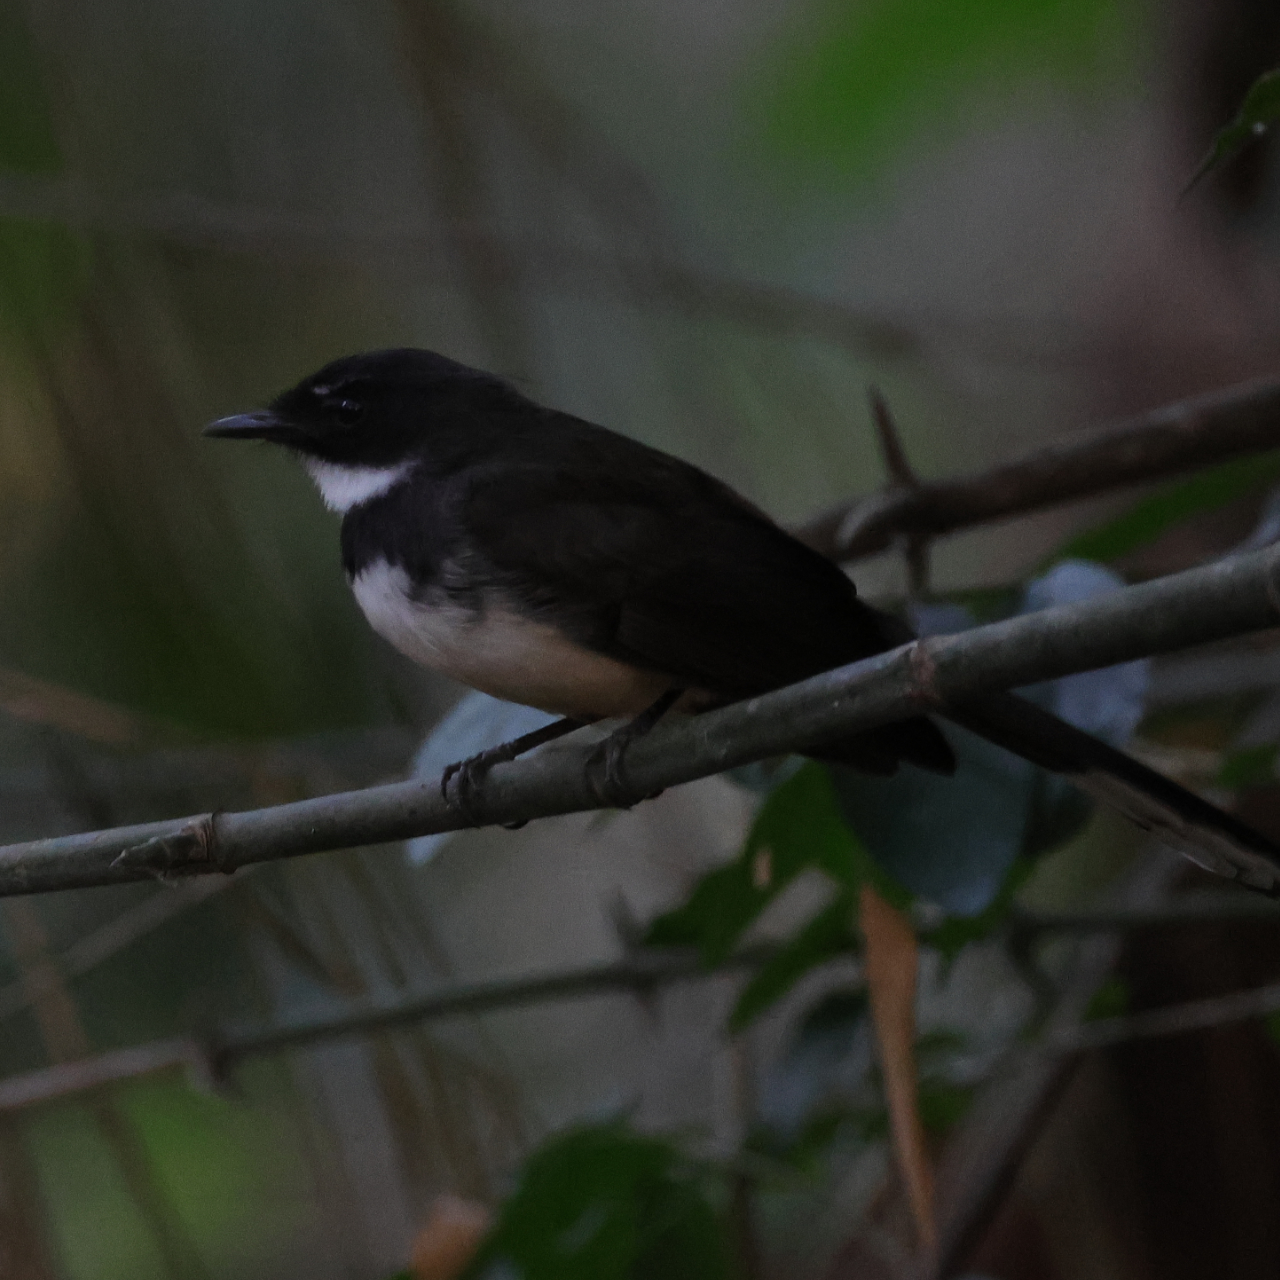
{"type": "Point", "coordinates": [548, 561]}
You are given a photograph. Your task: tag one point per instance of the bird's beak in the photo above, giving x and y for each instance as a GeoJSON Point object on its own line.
{"type": "Point", "coordinates": [262, 424]}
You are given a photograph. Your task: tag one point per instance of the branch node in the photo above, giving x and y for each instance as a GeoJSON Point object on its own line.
{"type": "Point", "coordinates": [191, 850]}
{"type": "Point", "coordinates": [922, 676]}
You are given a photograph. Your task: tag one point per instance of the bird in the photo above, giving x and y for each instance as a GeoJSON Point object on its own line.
{"type": "Point", "coordinates": [545, 560]}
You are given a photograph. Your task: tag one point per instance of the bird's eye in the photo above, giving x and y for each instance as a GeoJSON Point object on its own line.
{"type": "Point", "coordinates": [349, 412]}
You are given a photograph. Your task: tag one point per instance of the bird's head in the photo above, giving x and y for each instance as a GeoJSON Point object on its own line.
{"type": "Point", "coordinates": [365, 418]}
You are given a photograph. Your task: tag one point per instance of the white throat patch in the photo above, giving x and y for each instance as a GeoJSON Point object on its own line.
{"type": "Point", "coordinates": [343, 487]}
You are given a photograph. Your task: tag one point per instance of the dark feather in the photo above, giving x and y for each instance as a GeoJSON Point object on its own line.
{"type": "Point", "coordinates": [650, 561]}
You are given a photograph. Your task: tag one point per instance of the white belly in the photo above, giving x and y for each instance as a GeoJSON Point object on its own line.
{"type": "Point", "coordinates": [497, 651]}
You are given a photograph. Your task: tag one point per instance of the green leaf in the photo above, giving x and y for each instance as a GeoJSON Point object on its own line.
{"type": "Point", "coordinates": [828, 935]}
{"type": "Point", "coordinates": [601, 1202]}
{"type": "Point", "coordinates": [1271, 1025]}
{"type": "Point", "coordinates": [804, 1150]}
{"type": "Point", "coordinates": [848, 83]}
{"type": "Point", "coordinates": [798, 827]}
{"type": "Point", "coordinates": [1253, 767]}
{"type": "Point", "coordinates": [943, 1104]}
{"type": "Point", "coordinates": [43, 266]}
{"type": "Point", "coordinates": [957, 932]}
{"type": "Point", "coordinates": [1111, 1000]}
{"type": "Point", "coordinates": [27, 139]}
{"type": "Point", "coordinates": [1152, 515]}
{"type": "Point", "coordinates": [1260, 110]}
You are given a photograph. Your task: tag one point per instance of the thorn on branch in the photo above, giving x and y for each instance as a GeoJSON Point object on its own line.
{"type": "Point", "coordinates": [891, 448]}
{"type": "Point", "coordinates": [915, 546]}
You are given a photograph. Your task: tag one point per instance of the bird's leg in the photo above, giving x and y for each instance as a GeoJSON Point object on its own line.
{"type": "Point", "coordinates": [607, 757]}
{"type": "Point", "coordinates": [459, 781]}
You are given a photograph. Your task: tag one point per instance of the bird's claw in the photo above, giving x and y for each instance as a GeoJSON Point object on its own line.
{"type": "Point", "coordinates": [461, 780]}
{"type": "Point", "coordinates": [605, 776]}
{"type": "Point", "coordinates": [458, 786]}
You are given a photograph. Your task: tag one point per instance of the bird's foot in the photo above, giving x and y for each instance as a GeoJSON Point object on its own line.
{"type": "Point", "coordinates": [605, 773]}
{"type": "Point", "coordinates": [461, 781]}
{"type": "Point", "coordinates": [605, 776]}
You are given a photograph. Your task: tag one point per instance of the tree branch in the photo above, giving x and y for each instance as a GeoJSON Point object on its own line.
{"type": "Point", "coordinates": [65, 1079]}
{"type": "Point", "coordinates": [1179, 437]}
{"type": "Point", "coordinates": [1207, 907]}
{"type": "Point", "coordinates": [1234, 595]}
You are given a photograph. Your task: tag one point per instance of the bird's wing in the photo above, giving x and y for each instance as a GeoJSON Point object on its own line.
{"type": "Point", "coordinates": [685, 579]}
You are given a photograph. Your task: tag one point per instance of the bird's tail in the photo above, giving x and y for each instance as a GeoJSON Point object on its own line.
{"type": "Point", "coordinates": [1204, 833]}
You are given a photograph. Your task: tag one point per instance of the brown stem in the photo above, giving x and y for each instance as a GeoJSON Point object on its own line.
{"type": "Point", "coordinates": [1176, 438]}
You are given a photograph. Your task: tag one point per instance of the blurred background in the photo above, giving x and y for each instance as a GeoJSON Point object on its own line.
{"type": "Point", "coordinates": [709, 226]}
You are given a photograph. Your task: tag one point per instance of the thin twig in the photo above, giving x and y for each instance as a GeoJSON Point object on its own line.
{"type": "Point", "coordinates": [640, 973]}
{"type": "Point", "coordinates": [1197, 908]}
{"type": "Point", "coordinates": [1194, 1015]}
{"type": "Point", "coordinates": [1231, 596]}
{"type": "Point", "coordinates": [65, 1079]}
{"type": "Point", "coordinates": [1176, 438]}
{"type": "Point", "coordinates": [212, 1059]}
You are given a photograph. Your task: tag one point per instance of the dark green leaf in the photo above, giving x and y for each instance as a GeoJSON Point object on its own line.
{"type": "Point", "coordinates": [601, 1202]}
{"type": "Point", "coordinates": [1271, 1025]}
{"type": "Point", "coordinates": [1259, 111]}
{"type": "Point", "coordinates": [27, 140]}
{"type": "Point", "coordinates": [1152, 515]}
{"type": "Point", "coordinates": [43, 267]}
{"type": "Point", "coordinates": [1111, 1000]}
{"type": "Point", "coordinates": [826, 1058]}
{"type": "Point", "coordinates": [851, 82]}
{"type": "Point", "coordinates": [829, 934]}
{"type": "Point", "coordinates": [942, 1105]}
{"type": "Point", "coordinates": [798, 827]}
{"type": "Point", "coordinates": [1253, 767]}
{"type": "Point", "coordinates": [804, 1150]}
{"type": "Point", "coordinates": [957, 932]}
{"type": "Point", "coordinates": [941, 1043]}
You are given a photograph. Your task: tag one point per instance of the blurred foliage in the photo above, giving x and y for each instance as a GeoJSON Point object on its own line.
{"type": "Point", "coordinates": [1251, 767]}
{"type": "Point", "coordinates": [798, 829]}
{"type": "Point", "coordinates": [827, 936]}
{"type": "Point", "coordinates": [43, 266]}
{"type": "Point", "coordinates": [957, 931]}
{"type": "Point", "coordinates": [358, 154]}
{"type": "Point", "coordinates": [212, 1156]}
{"type": "Point", "coordinates": [601, 1202]}
{"type": "Point", "coordinates": [826, 1087]}
{"type": "Point", "coordinates": [1271, 1025]}
{"type": "Point", "coordinates": [1111, 1000]}
{"type": "Point", "coordinates": [1169, 506]}
{"type": "Point", "coordinates": [1258, 112]}
{"type": "Point", "coordinates": [849, 83]}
